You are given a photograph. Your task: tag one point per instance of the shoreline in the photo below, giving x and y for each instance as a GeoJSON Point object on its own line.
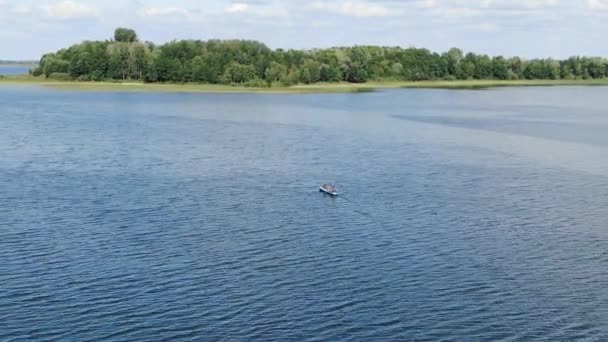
{"type": "Point", "coordinates": [135, 86]}
{"type": "Point", "coordinates": [18, 65]}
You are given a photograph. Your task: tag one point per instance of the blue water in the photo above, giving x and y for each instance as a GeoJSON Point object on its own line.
{"type": "Point", "coordinates": [14, 69]}
{"type": "Point", "coordinates": [466, 215]}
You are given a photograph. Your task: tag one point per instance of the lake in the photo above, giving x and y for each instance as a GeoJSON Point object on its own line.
{"type": "Point", "coordinates": [465, 215]}
{"type": "Point", "coordinates": [8, 69]}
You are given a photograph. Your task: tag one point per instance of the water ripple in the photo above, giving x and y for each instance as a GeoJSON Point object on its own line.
{"type": "Point", "coordinates": [122, 222]}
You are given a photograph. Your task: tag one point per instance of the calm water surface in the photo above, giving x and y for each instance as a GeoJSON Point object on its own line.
{"type": "Point", "coordinates": [14, 69]}
{"type": "Point", "coordinates": [466, 215]}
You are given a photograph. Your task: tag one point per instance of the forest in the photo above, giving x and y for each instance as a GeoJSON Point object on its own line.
{"type": "Point", "coordinates": [251, 63]}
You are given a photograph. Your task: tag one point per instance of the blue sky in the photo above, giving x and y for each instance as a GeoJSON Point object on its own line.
{"type": "Point", "coordinates": [528, 28]}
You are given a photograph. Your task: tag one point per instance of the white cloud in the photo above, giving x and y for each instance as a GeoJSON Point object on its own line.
{"type": "Point", "coordinates": [6, 8]}
{"type": "Point", "coordinates": [353, 9]}
{"type": "Point", "coordinates": [257, 10]}
{"type": "Point", "coordinates": [519, 4]}
{"type": "Point", "coordinates": [21, 10]}
{"type": "Point", "coordinates": [237, 7]}
{"type": "Point", "coordinates": [457, 12]}
{"type": "Point", "coordinates": [2, 10]}
{"type": "Point", "coordinates": [464, 8]}
{"type": "Point", "coordinates": [164, 11]}
{"type": "Point", "coordinates": [70, 10]}
{"type": "Point", "coordinates": [598, 5]}
{"type": "Point", "coordinates": [427, 3]}
{"type": "Point", "coordinates": [487, 27]}
{"type": "Point", "coordinates": [319, 24]}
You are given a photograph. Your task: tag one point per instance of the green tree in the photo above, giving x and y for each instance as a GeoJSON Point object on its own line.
{"type": "Point", "coordinates": [483, 68]}
{"type": "Point", "coordinates": [596, 67]}
{"type": "Point", "coordinates": [55, 65]}
{"type": "Point", "coordinates": [329, 73]}
{"type": "Point", "coordinates": [396, 70]}
{"type": "Point", "coordinates": [150, 70]}
{"type": "Point", "coordinates": [466, 69]}
{"type": "Point", "coordinates": [516, 68]}
{"type": "Point", "coordinates": [453, 58]}
{"type": "Point", "coordinates": [275, 72]}
{"type": "Point", "coordinates": [535, 69]}
{"type": "Point", "coordinates": [118, 60]}
{"type": "Point", "coordinates": [310, 72]}
{"type": "Point", "coordinates": [500, 68]}
{"type": "Point", "coordinates": [198, 69]}
{"type": "Point", "coordinates": [552, 69]}
{"type": "Point", "coordinates": [239, 73]}
{"type": "Point", "coordinates": [81, 65]}
{"type": "Point", "coordinates": [137, 60]}
{"type": "Point", "coordinates": [356, 73]}
{"type": "Point", "coordinates": [125, 35]}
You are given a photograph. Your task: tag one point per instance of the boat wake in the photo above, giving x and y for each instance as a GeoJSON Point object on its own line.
{"type": "Point", "coordinates": [358, 211]}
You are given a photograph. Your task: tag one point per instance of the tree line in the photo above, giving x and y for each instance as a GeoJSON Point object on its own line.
{"type": "Point", "coordinates": [11, 62]}
{"type": "Point", "coordinates": [252, 63]}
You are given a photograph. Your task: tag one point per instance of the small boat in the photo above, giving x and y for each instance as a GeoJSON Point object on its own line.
{"type": "Point", "coordinates": [329, 189]}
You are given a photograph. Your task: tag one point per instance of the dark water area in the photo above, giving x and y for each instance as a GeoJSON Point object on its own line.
{"type": "Point", "coordinates": [465, 215]}
{"type": "Point", "coordinates": [14, 69]}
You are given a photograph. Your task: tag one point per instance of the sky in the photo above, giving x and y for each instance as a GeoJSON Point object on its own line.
{"type": "Point", "coordinates": [527, 28]}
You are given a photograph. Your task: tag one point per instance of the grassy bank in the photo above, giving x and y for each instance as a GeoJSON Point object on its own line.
{"type": "Point", "coordinates": [166, 87]}
{"type": "Point", "coordinates": [313, 88]}
{"type": "Point", "coordinates": [459, 84]}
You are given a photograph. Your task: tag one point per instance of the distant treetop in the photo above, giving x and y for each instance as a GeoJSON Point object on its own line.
{"type": "Point", "coordinates": [125, 35]}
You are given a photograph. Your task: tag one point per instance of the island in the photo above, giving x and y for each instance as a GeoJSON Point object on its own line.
{"type": "Point", "coordinates": [127, 63]}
